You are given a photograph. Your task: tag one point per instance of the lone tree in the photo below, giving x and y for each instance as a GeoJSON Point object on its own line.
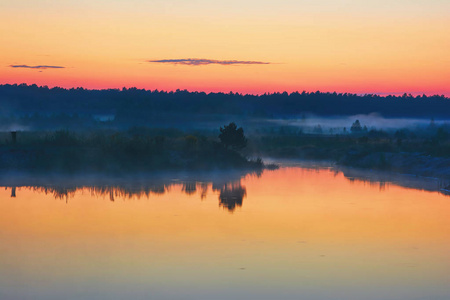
{"type": "Point", "coordinates": [231, 136]}
{"type": "Point", "coordinates": [356, 127]}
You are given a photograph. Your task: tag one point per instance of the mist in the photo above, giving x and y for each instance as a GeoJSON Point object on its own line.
{"type": "Point", "coordinates": [372, 121]}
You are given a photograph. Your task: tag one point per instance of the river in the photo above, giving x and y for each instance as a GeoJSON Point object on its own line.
{"type": "Point", "coordinates": [292, 233]}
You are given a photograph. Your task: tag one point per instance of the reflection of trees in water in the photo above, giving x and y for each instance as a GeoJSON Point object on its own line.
{"type": "Point", "coordinates": [232, 195]}
{"type": "Point", "coordinates": [228, 186]}
{"type": "Point", "coordinates": [58, 192]}
{"type": "Point", "coordinates": [112, 192]}
{"type": "Point", "coordinates": [189, 187]}
{"type": "Point", "coordinates": [383, 180]}
{"type": "Point", "coordinates": [382, 185]}
{"type": "Point", "coordinates": [203, 190]}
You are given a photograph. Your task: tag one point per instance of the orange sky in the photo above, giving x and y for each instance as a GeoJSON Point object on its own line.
{"type": "Point", "coordinates": [344, 46]}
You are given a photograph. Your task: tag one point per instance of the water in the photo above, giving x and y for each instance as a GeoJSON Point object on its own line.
{"type": "Point", "coordinates": [293, 233]}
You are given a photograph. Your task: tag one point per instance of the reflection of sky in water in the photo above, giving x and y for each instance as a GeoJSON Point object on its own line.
{"type": "Point", "coordinates": [299, 234]}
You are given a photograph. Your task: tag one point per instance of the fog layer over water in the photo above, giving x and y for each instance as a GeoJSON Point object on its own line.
{"type": "Point", "coordinates": [294, 233]}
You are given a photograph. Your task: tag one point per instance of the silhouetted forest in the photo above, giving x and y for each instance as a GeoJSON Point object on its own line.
{"type": "Point", "coordinates": [43, 106]}
{"type": "Point", "coordinates": [138, 149]}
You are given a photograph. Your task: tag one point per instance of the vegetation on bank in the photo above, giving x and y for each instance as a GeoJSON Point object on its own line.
{"type": "Point", "coordinates": [422, 151]}
{"type": "Point", "coordinates": [138, 149]}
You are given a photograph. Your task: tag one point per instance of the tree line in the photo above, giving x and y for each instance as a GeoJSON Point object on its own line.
{"type": "Point", "coordinates": [133, 103]}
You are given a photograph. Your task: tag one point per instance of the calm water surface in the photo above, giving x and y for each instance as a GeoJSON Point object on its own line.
{"type": "Point", "coordinates": [292, 233]}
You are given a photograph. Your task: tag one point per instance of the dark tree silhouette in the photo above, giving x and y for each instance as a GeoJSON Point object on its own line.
{"type": "Point", "coordinates": [231, 136]}
{"type": "Point", "coordinates": [318, 129]}
{"type": "Point", "coordinates": [356, 127]}
{"type": "Point", "coordinates": [49, 108]}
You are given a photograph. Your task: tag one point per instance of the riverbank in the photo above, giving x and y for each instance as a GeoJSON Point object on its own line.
{"type": "Point", "coordinates": [405, 163]}
{"type": "Point", "coordinates": [115, 152]}
{"type": "Point", "coordinates": [419, 156]}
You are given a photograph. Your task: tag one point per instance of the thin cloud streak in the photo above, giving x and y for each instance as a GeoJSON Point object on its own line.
{"type": "Point", "coordinates": [202, 62]}
{"type": "Point", "coordinates": [37, 67]}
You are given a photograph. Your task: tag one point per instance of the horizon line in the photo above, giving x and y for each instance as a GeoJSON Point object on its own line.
{"type": "Point", "coordinates": [378, 94]}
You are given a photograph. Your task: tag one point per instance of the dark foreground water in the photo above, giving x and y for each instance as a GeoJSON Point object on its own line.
{"type": "Point", "coordinates": [293, 233]}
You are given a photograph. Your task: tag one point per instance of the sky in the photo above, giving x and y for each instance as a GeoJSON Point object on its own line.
{"type": "Point", "coordinates": [245, 46]}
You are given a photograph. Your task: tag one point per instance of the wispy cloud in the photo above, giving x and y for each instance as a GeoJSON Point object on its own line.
{"type": "Point", "coordinates": [203, 61]}
{"type": "Point", "coordinates": [36, 67]}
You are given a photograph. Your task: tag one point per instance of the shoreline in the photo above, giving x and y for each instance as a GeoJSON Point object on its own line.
{"type": "Point", "coordinates": [409, 163]}
{"type": "Point", "coordinates": [157, 179]}
{"type": "Point", "coordinates": [427, 183]}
